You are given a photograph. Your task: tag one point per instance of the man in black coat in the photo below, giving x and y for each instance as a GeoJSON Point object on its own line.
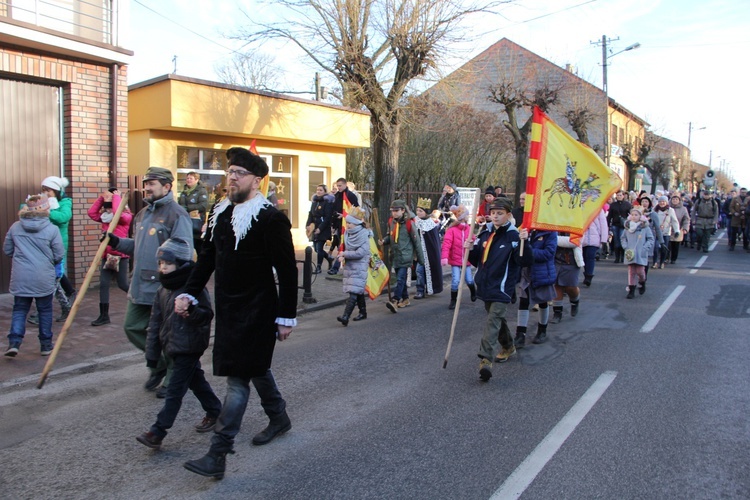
{"type": "Point", "coordinates": [247, 238]}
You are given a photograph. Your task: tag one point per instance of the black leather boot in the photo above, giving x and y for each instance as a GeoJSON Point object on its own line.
{"type": "Point", "coordinates": [587, 279]}
{"type": "Point", "coordinates": [473, 290]}
{"type": "Point", "coordinates": [642, 288]}
{"type": "Point", "coordinates": [277, 425]}
{"type": "Point", "coordinates": [362, 308]}
{"type": "Point", "coordinates": [556, 314]}
{"type": "Point", "coordinates": [211, 465]}
{"type": "Point", "coordinates": [350, 303]}
{"type": "Point", "coordinates": [631, 292]}
{"type": "Point", "coordinates": [103, 318]}
{"type": "Point", "coordinates": [520, 340]}
{"type": "Point", "coordinates": [454, 296]}
{"type": "Point", "coordinates": [541, 334]}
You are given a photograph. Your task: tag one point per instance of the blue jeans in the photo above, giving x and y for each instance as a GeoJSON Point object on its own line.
{"type": "Point", "coordinates": [235, 404]}
{"type": "Point", "coordinates": [616, 233]}
{"type": "Point", "coordinates": [21, 306]}
{"type": "Point", "coordinates": [589, 260]}
{"type": "Point", "coordinates": [401, 292]}
{"type": "Point", "coordinates": [186, 374]}
{"type": "Point", "coordinates": [456, 277]}
{"type": "Point", "coordinates": [421, 278]}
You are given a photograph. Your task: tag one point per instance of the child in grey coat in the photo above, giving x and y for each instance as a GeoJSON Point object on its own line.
{"type": "Point", "coordinates": [36, 247]}
{"type": "Point", "coordinates": [637, 242]}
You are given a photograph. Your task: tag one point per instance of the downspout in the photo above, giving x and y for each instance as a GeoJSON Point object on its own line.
{"type": "Point", "coordinates": [113, 125]}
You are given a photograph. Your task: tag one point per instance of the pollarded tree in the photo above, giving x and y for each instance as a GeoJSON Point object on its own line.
{"type": "Point", "coordinates": [375, 49]}
{"type": "Point", "coordinates": [515, 97]}
{"type": "Point", "coordinates": [633, 157]}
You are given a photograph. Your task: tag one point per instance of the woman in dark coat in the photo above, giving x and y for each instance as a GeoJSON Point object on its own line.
{"type": "Point", "coordinates": [320, 216]}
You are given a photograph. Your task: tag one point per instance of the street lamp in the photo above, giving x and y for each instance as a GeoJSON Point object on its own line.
{"type": "Point", "coordinates": [605, 57]}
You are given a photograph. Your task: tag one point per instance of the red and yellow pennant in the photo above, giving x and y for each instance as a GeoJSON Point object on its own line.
{"type": "Point", "coordinates": [263, 188]}
{"type": "Point", "coordinates": [567, 183]}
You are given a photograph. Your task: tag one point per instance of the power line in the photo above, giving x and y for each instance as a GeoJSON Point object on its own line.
{"type": "Point", "coordinates": [186, 28]}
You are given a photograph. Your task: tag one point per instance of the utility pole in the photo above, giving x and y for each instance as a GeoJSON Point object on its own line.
{"type": "Point", "coordinates": [174, 62]}
{"type": "Point", "coordinates": [605, 88]}
{"type": "Point", "coordinates": [603, 43]}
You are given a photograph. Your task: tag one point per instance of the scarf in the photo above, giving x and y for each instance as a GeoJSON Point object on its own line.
{"type": "Point", "coordinates": [394, 232]}
{"type": "Point", "coordinates": [242, 217]}
{"type": "Point", "coordinates": [488, 243]}
{"type": "Point", "coordinates": [356, 237]}
{"type": "Point", "coordinates": [176, 279]}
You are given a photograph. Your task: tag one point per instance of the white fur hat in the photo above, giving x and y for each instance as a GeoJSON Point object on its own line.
{"type": "Point", "coordinates": [56, 183]}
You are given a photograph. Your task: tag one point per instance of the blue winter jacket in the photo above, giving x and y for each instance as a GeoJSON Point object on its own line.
{"type": "Point", "coordinates": [543, 246]}
{"type": "Point", "coordinates": [498, 275]}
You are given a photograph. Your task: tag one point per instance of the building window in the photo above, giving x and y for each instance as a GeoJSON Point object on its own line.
{"type": "Point", "coordinates": [210, 164]}
{"type": "Point", "coordinates": [613, 135]}
{"type": "Point", "coordinates": [283, 172]}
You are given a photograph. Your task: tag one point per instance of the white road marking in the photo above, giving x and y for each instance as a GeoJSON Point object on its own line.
{"type": "Point", "coordinates": [522, 477]}
{"type": "Point", "coordinates": [656, 317]}
{"type": "Point", "coordinates": [713, 245]}
{"type": "Point", "coordinates": [698, 264]}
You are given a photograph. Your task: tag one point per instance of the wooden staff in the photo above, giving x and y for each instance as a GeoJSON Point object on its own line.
{"type": "Point", "coordinates": [379, 235]}
{"type": "Point", "coordinates": [82, 293]}
{"type": "Point", "coordinates": [461, 279]}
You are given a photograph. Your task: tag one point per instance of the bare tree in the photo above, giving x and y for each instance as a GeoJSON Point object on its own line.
{"type": "Point", "coordinates": [375, 48]}
{"type": "Point", "coordinates": [579, 120]}
{"type": "Point", "coordinates": [255, 70]}
{"type": "Point", "coordinates": [454, 142]}
{"type": "Point", "coordinates": [515, 97]}
{"type": "Point", "coordinates": [633, 157]}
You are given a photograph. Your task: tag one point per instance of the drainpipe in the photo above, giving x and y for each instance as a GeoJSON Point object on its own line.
{"type": "Point", "coordinates": [113, 125]}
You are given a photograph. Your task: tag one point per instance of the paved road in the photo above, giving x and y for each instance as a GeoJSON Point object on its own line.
{"type": "Point", "coordinates": [616, 405]}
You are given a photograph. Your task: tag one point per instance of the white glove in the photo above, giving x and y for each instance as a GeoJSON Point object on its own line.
{"type": "Point", "coordinates": [53, 203]}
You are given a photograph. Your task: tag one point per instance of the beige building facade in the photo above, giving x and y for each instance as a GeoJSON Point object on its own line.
{"type": "Point", "coordinates": [187, 125]}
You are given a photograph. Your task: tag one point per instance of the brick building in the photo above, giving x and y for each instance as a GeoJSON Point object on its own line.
{"type": "Point", "coordinates": [63, 110]}
{"type": "Point", "coordinates": [506, 62]}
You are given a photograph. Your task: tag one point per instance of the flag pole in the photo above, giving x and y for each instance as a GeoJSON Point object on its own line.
{"type": "Point", "coordinates": [82, 292]}
{"type": "Point", "coordinates": [461, 279]}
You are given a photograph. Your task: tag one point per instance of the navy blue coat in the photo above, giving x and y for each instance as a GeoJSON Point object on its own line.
{"type": "Point", "coordinates": [543, 246]}
{"type": "Point", "coordinates": [497, 277]}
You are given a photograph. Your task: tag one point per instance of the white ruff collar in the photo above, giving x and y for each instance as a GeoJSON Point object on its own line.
{"type": "Point", "coordinates": [242, 217]}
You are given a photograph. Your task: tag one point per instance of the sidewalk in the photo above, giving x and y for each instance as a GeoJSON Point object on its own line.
{"type": "Point", "coordinates": [86, 345]}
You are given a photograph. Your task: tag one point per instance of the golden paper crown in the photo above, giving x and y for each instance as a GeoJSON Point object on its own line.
{"type": "Point", "coordinates": [424, 203]}
{"type": "Point", "coordinates": [357, 213]}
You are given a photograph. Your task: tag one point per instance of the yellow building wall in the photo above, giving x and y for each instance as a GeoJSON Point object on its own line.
{"type": "Point", "coordinates": [170, 114]}
{"type": "Point", "coordinates": [632, 129]}
{"type": "Point", "coordinates": [180, 105]}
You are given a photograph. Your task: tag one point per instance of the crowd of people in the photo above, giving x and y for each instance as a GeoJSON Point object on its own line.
{"type": "Point", "coordinates": [245, 243]}
{"type": "Point", "coordinates": [644, 231]}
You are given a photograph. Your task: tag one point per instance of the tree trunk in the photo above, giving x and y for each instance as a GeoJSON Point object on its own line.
{"type": "Point", "coordinates": [385, 160]}
{"type": "Point", "coordinates": [522, 167]}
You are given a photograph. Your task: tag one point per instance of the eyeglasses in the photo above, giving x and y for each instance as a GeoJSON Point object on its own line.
{"type": "Point", "coordinates": [240, 174]}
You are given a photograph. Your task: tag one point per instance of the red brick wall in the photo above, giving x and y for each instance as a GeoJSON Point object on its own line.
{"type": "Point", "coordinates": [86, 144]}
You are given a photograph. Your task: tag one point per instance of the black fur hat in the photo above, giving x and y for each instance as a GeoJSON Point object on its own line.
{"type": "Point", "coordinates": [241, 157]}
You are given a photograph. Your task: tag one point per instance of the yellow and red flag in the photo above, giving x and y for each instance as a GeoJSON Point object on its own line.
{"type": "Point", "coordinates": [567, 182]}
{"type": "Point", "coordinates": [377, 272]}
{"type": "Point", "coordinates": [263, 188]}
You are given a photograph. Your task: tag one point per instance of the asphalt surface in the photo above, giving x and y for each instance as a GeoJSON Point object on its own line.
{"type": "Point", "coordinates": [376, 416]}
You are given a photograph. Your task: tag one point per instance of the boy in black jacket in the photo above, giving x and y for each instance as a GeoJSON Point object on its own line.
{"type": "Point", "coordinates": [495, 254]}
{"type": "Point", "coordinates": [183, 340]}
